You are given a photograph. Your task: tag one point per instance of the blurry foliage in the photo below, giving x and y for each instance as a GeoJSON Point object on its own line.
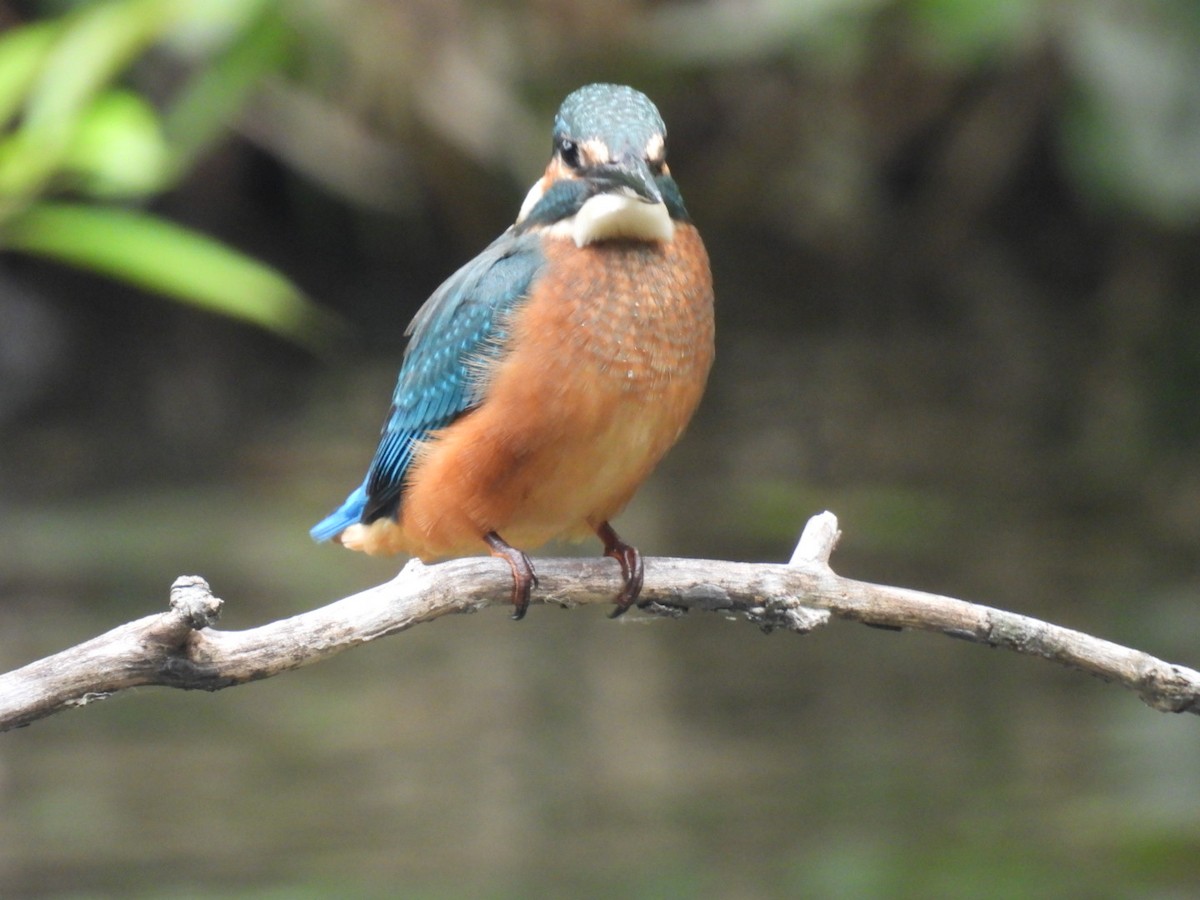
{"type": "Point", "coordinates": [989, 169]}
{"type": "Point", "coordinates": [1133, 130]}
{"type": "Point", "coordinates": [954, 247]}
{"type": "Point", "coordinates": [80, 151]}
{"type": "Point", "coordinates": [76, 135]}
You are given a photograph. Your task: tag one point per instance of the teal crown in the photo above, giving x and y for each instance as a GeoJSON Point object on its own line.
{"type": "Point", "coordinates": [624, 119]}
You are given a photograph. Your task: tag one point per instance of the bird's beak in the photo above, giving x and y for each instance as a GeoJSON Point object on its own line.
{"type": "Point", "coordinates": [632, 173]}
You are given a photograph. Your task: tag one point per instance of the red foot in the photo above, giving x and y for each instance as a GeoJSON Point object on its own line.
{"type": "Point", "coordinates": [631, 567]}
{"type": "Point", "coordinates": [524, 578]}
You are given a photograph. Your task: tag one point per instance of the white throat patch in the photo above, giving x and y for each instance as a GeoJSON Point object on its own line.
{"type": "Point", "coordinates": [619, 216]}
{"type": "Point", "coordinates": [607, 216]}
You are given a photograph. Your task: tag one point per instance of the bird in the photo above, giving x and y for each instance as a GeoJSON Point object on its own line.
{"type": "Point", "coordinates": [546, 378]}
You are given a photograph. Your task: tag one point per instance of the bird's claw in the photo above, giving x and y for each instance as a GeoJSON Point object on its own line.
{"type": "Point", "coordinates": [632, 570]}
{"type": "Point", "coordinates": [524, 578]}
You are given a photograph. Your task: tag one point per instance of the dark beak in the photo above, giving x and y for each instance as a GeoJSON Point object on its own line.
{"type": "Point", "coordinates": [630, 172]}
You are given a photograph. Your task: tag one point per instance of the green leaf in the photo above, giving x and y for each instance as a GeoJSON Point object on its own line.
{"type": "Point", "coordinates": [209, 25]}
{"type": "Point", "coordinates": [28, 159]}
{"type": "Point", "coordinates": [203, 109]}
{"type": "Point", "coordinates": [86, 50]}
{"type": "Point", "coordinates": [118, 149]}
{"type": "Point", "coordinates": [160, 256]}
{"type": "Point", "coordinates": [97, 44]}
{"type": "Point", "coordinates": [22, 54]}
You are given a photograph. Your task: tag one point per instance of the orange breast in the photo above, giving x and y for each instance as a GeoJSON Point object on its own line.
{"type": "Point", "coordinates": [608, 362]}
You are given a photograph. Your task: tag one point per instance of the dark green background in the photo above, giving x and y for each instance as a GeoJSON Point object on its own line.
{"type": "Point", "coordinates": [955, 247]}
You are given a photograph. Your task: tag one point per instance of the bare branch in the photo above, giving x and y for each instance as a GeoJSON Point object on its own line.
{"type": "Point", "coordinates": [180, 649]}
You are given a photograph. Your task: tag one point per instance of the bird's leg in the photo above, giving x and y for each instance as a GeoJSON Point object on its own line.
{"type": "Point", "coordinates": [631, 567]}
{"type": "Point", "coordinates": [524, 578]}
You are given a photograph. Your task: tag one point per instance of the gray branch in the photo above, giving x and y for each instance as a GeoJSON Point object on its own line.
{"type": "Point", "coordinates": [181, 649]}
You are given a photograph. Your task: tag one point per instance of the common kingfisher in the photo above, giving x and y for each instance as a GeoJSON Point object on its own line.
{"type": "Point", "coordinates": [545, 379]}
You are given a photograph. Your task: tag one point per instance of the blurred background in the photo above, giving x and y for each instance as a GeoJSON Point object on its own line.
{"type": "Point", "coordinates": [955, 247]}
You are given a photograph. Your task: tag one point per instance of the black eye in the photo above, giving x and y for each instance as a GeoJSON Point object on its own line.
{"type": "Point", "coordinates": [568, 152]}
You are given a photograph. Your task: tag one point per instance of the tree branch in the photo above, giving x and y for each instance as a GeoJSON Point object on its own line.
{"type": "Point", "coordinates": [181, 649]}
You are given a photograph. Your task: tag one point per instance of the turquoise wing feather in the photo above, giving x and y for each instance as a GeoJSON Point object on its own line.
{"type": "Point", "coordinates": [460, 332]}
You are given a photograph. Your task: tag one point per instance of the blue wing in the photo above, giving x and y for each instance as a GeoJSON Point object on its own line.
{"type": "Point", "coordinates": [454, 336]}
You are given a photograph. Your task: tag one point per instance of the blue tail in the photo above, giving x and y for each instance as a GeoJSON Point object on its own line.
{"type": "Point", "coordinates": [346, 515]}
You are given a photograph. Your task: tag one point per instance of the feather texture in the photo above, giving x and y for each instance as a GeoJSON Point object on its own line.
{"type": "Point", "coordinates": [455, 339]}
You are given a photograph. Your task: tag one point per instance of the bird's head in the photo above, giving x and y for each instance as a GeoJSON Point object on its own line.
{"type": "Point", "coordinates": [608, 175]}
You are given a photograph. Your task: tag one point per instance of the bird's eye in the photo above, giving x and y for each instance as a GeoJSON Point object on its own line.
{"type": "Point", "coordinates": [568, 151]}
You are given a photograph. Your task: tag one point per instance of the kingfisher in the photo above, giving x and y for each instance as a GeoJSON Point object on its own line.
{"type": "Point", "coordinates": [546, 378]}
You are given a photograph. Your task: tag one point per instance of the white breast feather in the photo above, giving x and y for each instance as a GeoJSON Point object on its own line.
{"type": "Point", "coordinates": [618, 216]}
{"type": "Point", "coordinates": [607, 216]}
